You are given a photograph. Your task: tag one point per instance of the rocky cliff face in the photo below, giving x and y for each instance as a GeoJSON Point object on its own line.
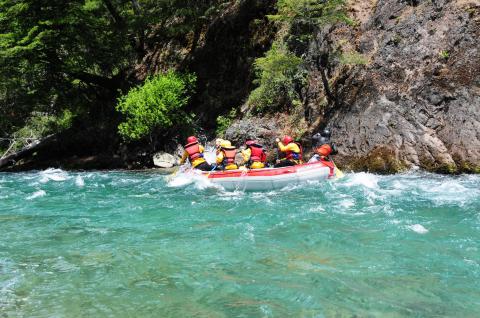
{"type": "Point", "coordinates": [417, 101]}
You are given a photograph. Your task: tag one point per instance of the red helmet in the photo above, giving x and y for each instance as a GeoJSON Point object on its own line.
{"type": "Point", "coordinates": [250, 142]}
{"type": "Point", "coordinates": [286, 140]}
{"type": "Point", "coordinates": [191, 139]}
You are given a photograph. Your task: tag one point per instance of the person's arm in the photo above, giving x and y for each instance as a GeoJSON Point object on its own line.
{"type": "Point", "coordinates": [282, 147]}
{"type": "Point", "coordinates": [246, 154]}
{"type": "Point", "coordinates": [219, 158]}
{"type": "Point", "coordinates": [184, 157]}
{"type": "Point", "coordinates": [290, 147]}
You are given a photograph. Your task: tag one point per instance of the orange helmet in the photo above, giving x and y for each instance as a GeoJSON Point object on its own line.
{"type": "Point", "coordinates": [286, 140]}
{"type": "Point", "coordinates": [191, 139]}
{"type": "Point", "coordinates": [324, 150]}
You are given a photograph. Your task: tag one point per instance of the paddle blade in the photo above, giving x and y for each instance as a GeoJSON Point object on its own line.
{"type": "Point", "coordinates": [338, 173]}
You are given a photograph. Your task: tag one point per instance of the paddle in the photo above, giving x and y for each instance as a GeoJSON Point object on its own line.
{"type": "Point", "coordinates": [338, 173]}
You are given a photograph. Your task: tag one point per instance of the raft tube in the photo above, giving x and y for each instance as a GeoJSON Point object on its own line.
{"type": "Point", "coordinates": [271, 178]}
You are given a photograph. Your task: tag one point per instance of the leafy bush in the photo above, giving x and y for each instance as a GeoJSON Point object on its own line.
{"type": "Point", "coordinates": [157, 103]}
{"type": "Point", "coordinates": [223, 122]}
{"type": "Point", "coordinates": [278, 74]}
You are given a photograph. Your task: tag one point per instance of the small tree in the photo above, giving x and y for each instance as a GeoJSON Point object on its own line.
{"type": "Point", "coordinates": [157, 103]}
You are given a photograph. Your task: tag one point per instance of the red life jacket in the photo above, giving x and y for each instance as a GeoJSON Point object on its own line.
{"type": "Point", "coordinates": [193, 150]}
{"type": "Point", "coordinates": [290, 155]}
{"type": "Point", "coordinates": [229, 155]}
{"type": "Point", "coordinates": [256, 153]}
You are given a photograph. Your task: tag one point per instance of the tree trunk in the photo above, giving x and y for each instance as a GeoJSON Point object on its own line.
{"type": "Point", "coordinates": [27, 151]}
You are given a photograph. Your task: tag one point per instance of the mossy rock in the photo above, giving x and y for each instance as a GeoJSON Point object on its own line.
{"type": "Point", "coordinates": [381, 159]}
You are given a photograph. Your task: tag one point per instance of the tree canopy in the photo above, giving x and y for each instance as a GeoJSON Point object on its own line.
{"type": "Point", "coordinates": [57, 55]}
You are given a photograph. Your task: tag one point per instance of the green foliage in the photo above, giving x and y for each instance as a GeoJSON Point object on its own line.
{"type": "Point", "coordinates": [444, 54]}
{"type": "Point", "coordinates": [40, 125]}
{"type": "Point", "coordinates": [157, 103]}
{"type": "Point", "coordinates": [223, 122]}
{"type": "Point", "coordinates": [281, 74]}
{"type": "Point", "coordinates": [316, 12]}
{"type": "Point", "coordinates": [278, 74]}
{"type": "Point", "coordinates": [353, 58]}
{"type": "Point", "coordinates": [58, 54]}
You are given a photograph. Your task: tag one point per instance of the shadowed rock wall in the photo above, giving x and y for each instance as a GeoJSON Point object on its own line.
{"type": "Point", "coordinates": [417, 101]}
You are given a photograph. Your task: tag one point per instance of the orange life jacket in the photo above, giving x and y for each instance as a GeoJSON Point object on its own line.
{"type": "Point", "coordinates": [193, 150]}
{"type": "Point", "coordinates": [256, 153]}
{"type": "Point", "coordinates": [229, 155]}
{"type": "Point", "coordinates": [291, 155]}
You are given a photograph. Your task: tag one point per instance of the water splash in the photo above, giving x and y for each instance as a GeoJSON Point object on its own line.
{"type": "Point", "coordinates": [37, 194]}
{"type": "Point", "coordinates": [418, 228]}
{"type": "Point", "coordinates": [51, 174]}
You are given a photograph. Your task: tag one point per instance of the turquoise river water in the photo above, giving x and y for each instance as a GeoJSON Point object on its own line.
{"type": "Point", "coordinates": [138, 244]}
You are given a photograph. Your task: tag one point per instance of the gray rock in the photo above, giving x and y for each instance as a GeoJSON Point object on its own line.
{"type": "Point", "coordinates": [164, 160]}
{"type": "Point", "coordinates": [418, 99]}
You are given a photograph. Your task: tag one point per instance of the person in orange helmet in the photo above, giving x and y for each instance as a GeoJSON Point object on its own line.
{"type": "Point", "coordinates": [293, 152]}
{"type": "Point", "coordinates": [194, 153]}
{"type": "Point", "coordinates": [323, 146]}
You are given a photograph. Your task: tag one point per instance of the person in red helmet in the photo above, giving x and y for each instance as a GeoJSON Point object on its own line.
{"type": "Point", "coordinates": [293, 152]}
{"type": "Point", "coordinates": [254, 155]}
{"type": "Point", "coordinates": [194, 153]}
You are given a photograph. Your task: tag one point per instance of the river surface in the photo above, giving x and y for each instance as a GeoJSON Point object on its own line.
{"type": "Point", "coordinates": [138, 244]}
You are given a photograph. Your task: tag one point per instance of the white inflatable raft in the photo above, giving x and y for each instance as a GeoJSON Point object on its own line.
{"type": "Point", "coordinates": [272, 178]}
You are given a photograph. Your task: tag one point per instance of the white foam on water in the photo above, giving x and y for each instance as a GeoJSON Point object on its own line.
{"type": "Point", "coordinates": [79, 182]}
{"type": "Point", "coordinates": [143, 195]}
{"type": "Point", "coordinates": [418, 228]}
{"type": "Point", "coordinates": [347, 203]}
{"type": "Point", "coordinates": [187, 177]}
{"type": "Point", "coordinates": [37, 194]}
{"type": "Point", "coordinates": [364, 179]}
{"type": "Point", "coordinates": [51, 174]}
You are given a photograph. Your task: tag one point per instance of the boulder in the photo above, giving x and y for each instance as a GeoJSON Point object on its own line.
{"type": "Point", "coordinates": [164, 160]}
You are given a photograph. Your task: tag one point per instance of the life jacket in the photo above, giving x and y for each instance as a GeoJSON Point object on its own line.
{"type": "Point", "coordinates": [229, 155]}
{"type": "Point", "coordinates": [256, 153]}
{"type": "Point", "coordinates": [193, 150]}
{"type": "Point", "coordinates": [290, 155]}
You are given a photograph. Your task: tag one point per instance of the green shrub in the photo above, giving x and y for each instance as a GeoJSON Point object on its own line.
{"type": "Point", "coordinates": [223, 122]}
{"type": "Point", "coordinates": [278, 73]}
{"type": "Point", "coordinates": [157, 103]}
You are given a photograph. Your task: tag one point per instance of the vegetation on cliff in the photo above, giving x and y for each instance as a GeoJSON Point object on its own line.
{"type": "Point", "coordinates": [282, 72]}
{"type": "Point", "coordinates": [75, 57]}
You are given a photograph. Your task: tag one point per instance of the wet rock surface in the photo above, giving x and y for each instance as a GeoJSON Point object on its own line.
{"type": "Point", "coordinates": [417, 101]}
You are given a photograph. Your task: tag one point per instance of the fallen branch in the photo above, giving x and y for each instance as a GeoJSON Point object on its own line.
{"type": "Point", "coordinates": [26, 151]}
